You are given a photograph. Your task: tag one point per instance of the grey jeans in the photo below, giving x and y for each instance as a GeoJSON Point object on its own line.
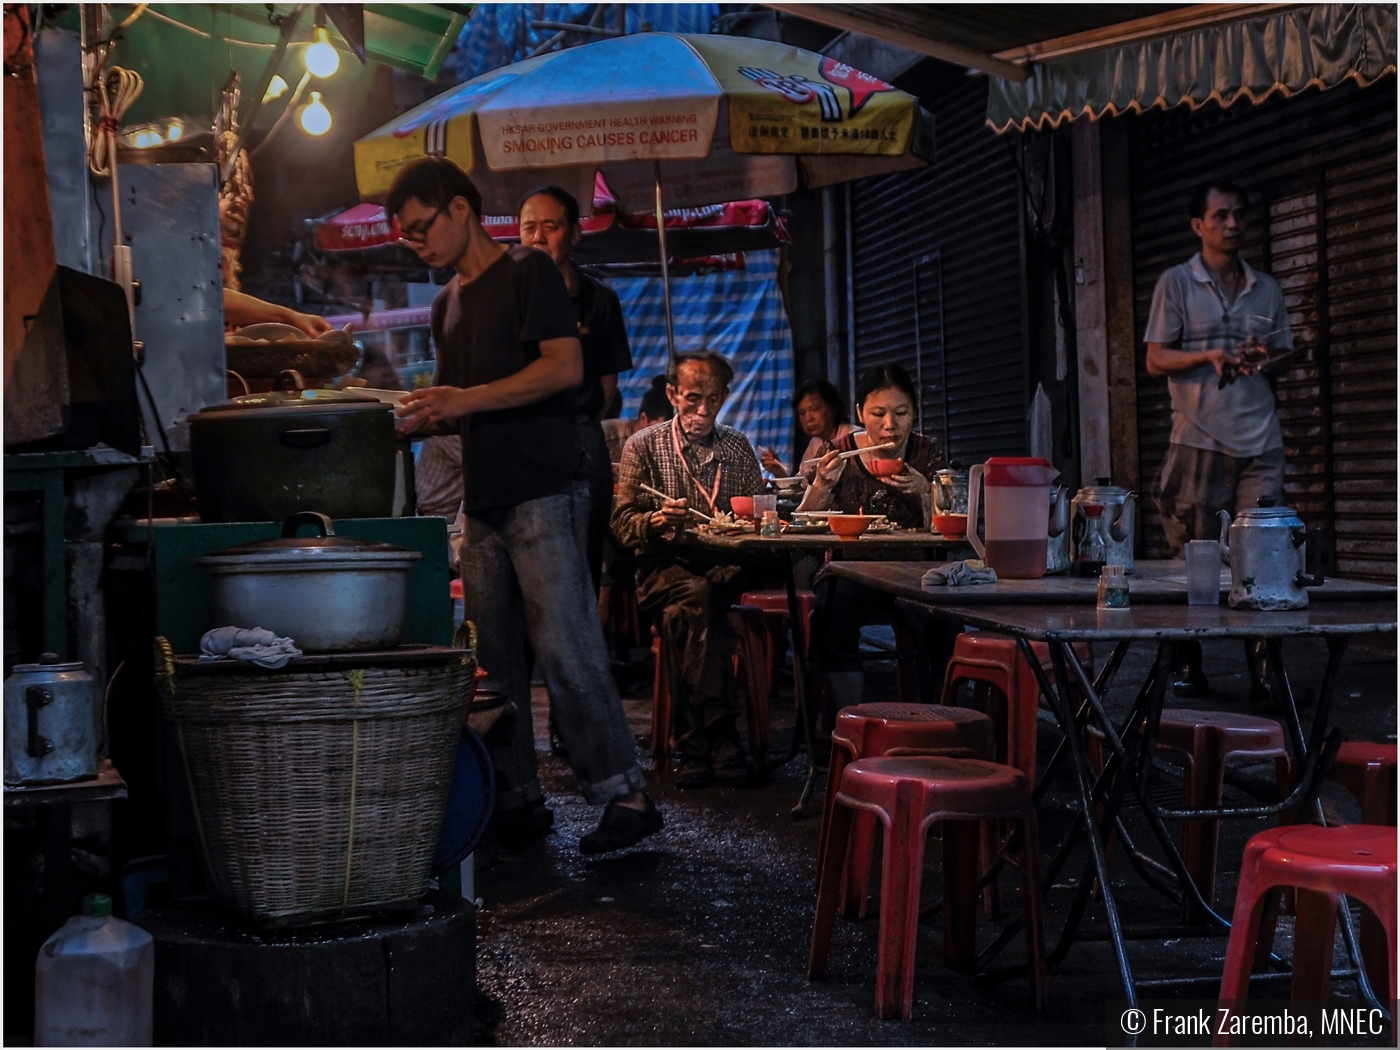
{"type": "Point", "coordinates": [526, 578]}
{"type": "Point", "coordinates": [1197, 485]}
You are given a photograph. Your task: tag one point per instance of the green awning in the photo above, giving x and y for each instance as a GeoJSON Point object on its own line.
{"type": "Point", "coordinates": [184, 52]}
{"type": "Point", "coordinates": [1282, 51]}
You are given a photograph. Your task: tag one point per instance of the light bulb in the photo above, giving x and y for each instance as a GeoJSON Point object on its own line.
{"type": "Point", "coordinates": [322, 59]}
{"type": "Point", "coordinates": [176, 130]}
{"type": "Point", "coordinates": [315, 117]}
{"type": "Point", "coordinates": [276, 88]}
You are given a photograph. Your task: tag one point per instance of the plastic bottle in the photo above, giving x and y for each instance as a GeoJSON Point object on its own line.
{"type": "Point", "coordinates": [94, 980]}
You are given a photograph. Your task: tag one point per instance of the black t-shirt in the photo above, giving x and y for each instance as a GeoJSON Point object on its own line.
{"type": "Point", "coordinates": [604, 338]}
{"type": "Point", "coordinates": [490, 329]}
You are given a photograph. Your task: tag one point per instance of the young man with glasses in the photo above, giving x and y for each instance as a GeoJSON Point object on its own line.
{"type": "Point", "coordinates": [509, 363]}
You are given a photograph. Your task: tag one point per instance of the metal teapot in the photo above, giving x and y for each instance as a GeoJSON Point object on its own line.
{"type": "Point", "coordinates": [1266, 549]}
{"type": "Point", "coordinates": [1057, 558]}
{"type": "Point", "coordinates": [50, 723]}
{"type": "Point", "coordinates": [1119, 519]}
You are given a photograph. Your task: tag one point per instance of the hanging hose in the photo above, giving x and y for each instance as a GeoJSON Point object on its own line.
{"type": "Point", "coordinates": [115, 93]}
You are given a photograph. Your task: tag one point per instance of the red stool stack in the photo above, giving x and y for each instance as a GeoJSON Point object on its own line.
{"type": "Point", "coordinates": [1368, 772]}
{"type": "Point", "coordinates": [908, 795]}
{"type": "Point", "coordinates": [877, 730]}
{"type": "Point", "coordinates": [997, 661]}
{"type": "Point", "coordinates": [1320, 864]}
{"type": "Point", "coordinates": [1205, 742]}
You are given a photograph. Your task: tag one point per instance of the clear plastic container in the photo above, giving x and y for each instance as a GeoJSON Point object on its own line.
{"type": "Point", "coordinates": [1202, 572]}
{"type": "Point", "coordinates": [94, 980]}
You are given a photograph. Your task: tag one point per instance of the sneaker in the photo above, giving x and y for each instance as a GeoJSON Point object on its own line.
{"type": "Point", "coordinates": [517, 828]}
{"type": "Point", "coordinates": [693, 772]}
{"type": "Point", "coordinates": [621, 827]}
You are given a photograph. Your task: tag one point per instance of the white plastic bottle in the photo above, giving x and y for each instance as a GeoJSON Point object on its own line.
{"type": "Point", "coordinates": [94, 981]}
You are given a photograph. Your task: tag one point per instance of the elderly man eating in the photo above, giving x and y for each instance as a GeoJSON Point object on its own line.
{"type": "Point", "coordinates": [699, 465]}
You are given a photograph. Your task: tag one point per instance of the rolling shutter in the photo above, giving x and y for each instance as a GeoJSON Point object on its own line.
{"type": "Point", "coordinates": [1321, 171]}
{"type": "Point", "coordinates": [938, 283]}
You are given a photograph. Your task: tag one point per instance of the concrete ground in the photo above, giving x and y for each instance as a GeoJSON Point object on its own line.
{"type": "Point", "coordinates": [699, 935]}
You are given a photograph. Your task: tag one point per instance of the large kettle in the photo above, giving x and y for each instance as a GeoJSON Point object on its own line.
{"type": "Point", "coordinates": [50, 723]}
{"type": "Point", "coordinates": [1266, 549]}
{"type": "Point", "coordinates": [1119, 518]}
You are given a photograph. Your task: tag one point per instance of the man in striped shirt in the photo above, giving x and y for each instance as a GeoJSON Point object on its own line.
{"type": "Point", "coordinates": [699, 465]}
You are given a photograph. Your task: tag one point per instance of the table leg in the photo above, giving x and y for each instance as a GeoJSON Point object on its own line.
{"type": "Point", "coordinates": [805, 716]}
{"type": "Point", "coordinates": [1064, 713]}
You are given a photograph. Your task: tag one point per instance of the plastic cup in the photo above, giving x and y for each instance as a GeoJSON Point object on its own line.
{"type": "Point", "coordinates": [762, 505]}
{"type": "Point", "coordinates": [1202, 572]}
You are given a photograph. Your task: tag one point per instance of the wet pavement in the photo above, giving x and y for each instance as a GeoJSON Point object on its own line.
{"type": "Point", "coordinates": [699, 935]}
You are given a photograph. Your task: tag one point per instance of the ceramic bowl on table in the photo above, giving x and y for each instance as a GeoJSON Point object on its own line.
{"type": "Point", "coordinates": [950, 524]}
{"type": "Point", "coordinates": [849, 526]}
{"type": "Point", "coordinates": [789, 487]}
{"type": "Point", "coordinates": [741, 506]}
{"type": "Point", "coordinates": [885, 468]}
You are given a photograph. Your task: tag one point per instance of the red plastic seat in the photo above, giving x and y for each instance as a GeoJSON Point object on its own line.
{"type": "Point", "coordinates": [910, 794]}
{"type": "Point", "coordinates": [1320, 864]}
{"type": "Point", "coordinates": [877, 730]}
{"type": "Point", "coordinates": [996, 660]}
{"type": "Point", "coordinates": [1368, 772]}
{"type": "Point", "coordinates": [454, 589]}
{"type": "Point", "coordinates": [770, 640]}
{"type": "Point", "coordinates": [1205, 742]}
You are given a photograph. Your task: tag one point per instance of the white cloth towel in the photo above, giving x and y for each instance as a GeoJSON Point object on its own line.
{"type": "Point", "coordinates": [255, 646]}
{"type": "Point", "coordinates": [959, 574]}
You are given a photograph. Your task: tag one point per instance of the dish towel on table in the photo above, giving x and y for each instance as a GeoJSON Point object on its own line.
{"type": "Point", "coordinates": [959, 574]}
{"type": "Point", "coordinates": [255, 646]}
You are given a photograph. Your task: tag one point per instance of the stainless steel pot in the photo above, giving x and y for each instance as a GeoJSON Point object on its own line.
{"type": "Point", "coordinates": [1266, 549]}
{"type": "Point", "coordinates": [1119, 520]}
{"type": "Point", "coordinates": [1057, 559]}
{"type": "Point", "coordinates": [326, 592]}
{"type": "Point", "coordinates": [50, 723]}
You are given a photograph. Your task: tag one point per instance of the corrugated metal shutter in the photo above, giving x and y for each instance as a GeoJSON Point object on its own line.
{"type": "Point", "coordinates": [938, 283]}
{"type": "Point", "coordinates": [1322, 169]}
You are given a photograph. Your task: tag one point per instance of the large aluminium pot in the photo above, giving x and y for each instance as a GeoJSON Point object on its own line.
{"type": "Point", "coordinates": [264, 457]}
{"type": "Point", "coordinates": [327, 593]}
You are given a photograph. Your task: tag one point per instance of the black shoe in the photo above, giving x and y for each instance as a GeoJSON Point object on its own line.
{"type": "Point", "coordinates": [1190, 682]}
{"type": "Point", "coordinates": [694, 773]}
{"type": "Point", "coordinates": [517, 828]}
{"type": "Point", "coordinates": [730, 762]}
{"type": "Point", "coordinates": [621, 827]}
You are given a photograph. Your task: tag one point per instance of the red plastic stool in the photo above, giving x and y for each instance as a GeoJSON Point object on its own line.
{"type": "Point", "coordinates": [996, 660]}
{"type": "Point", "coordinates": [877, 730]}
{"type": "Point", "coordinates": [454, 589]}
{"type": "Point", "coordinates": [774, 606]}
{"type": "Point", "coordinates": [1205, 742]}
{"type": "Point", "coordinates": [1320, 864]}
{"type": "Point", "coordinates": [909, 794]}
{"type": "Point", "coordinates": [1368, 772]}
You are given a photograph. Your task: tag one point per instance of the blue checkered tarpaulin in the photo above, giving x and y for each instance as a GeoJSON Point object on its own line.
{"type": "Point", "coordinates": [738, 313]}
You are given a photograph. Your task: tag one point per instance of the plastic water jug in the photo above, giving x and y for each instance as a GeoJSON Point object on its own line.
{"type": "Point", "coordinates": [1017, 522]}
{"type": "Point", "coordinates": [94, 981]}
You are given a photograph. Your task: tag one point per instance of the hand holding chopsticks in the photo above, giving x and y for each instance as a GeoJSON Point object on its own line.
{"type": "Point", "coordinates": [854, 452]}
{"type": "Point", "coordinates": [692, 510]}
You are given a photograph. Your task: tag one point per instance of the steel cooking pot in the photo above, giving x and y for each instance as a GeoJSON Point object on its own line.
{"type": "Point", "coordinates": [327, 593]}
{"type": "Point", "coordinates": [264, 457]}
{"type": "Point", "coordinates": [1119, 520]}
{"type": "Point", "coordinates": [1266, 549]}
{"type": "Point", "coordinates": [51, 722]}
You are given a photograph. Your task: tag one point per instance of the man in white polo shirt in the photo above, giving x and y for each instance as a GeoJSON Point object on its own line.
{"type": "Point", "coordinates": [1214, 321]}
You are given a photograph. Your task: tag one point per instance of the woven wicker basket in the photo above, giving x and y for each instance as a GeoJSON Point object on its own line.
{"type": "Point", "coordinates": [318, 796]}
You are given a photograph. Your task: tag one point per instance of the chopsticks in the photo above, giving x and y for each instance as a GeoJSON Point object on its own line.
{"type": "Point", "coordinates": [854, 452]}
{"type": "Point", "coordinates": [658, 492]}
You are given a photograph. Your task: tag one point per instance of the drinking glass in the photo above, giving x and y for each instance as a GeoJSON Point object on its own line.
{"type": "Point", "coordinates": [1202, 572]}
{"type": "Point", "coordinates": [763, 504]}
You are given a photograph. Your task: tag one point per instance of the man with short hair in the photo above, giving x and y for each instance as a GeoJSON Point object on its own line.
{"type": "Point", "coordinates": [508, 364]}
{"type": "Point", "coordinates": [655, 408]}
{"type": "Point", "coordinates": [549, 220]}
{"type": "Point", "coordinates": [1214, 321]}
{"type": "Point", "coordinates": [699, 465]}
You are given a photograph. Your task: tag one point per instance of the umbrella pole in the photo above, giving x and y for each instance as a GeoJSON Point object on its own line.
{"type": "Point", "coordinates": [665, 268]}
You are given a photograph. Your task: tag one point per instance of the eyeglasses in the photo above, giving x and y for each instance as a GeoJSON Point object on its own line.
{"type": "Point", "coordinates": [411, 235]}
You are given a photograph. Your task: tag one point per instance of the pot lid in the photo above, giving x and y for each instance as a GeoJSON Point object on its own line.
{"type": "Point", "coordinates": [326, 542]}
{"type": "Point", "coordinates": [1267, 511]}
{"type": "Point", "coordinates": [295, 399]}
{"type": "Point", "coordinates": [1103, 489]}
{"type": "Point", "coordinates": [49, 663]}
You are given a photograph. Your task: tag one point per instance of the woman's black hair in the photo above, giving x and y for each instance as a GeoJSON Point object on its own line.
{"type": "Point", "coordinates": [884, 377]}
{"type": "Point", "coordinates": [827, 393]}
{"type": "Point", "coordinates": [655, 403]}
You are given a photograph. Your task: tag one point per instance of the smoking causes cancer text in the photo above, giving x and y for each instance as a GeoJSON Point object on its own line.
{"type": "Point", "coordinates": [582, 133]}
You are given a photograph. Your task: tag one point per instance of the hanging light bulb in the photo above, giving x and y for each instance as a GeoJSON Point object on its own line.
{"type": "Point", "coordinates": [175, 133]}
{"type": "Point", "coordinates": [275, 89]}
{"type": "Point", "coordinates": [322, 59]}
{"type": "Point", "coordinates": [315, 117]}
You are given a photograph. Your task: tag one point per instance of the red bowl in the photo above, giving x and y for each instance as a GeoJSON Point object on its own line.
{"type": "Point", "coordinates": [849, 526]}
{"type": "Point", "coordinates": [950, 524]}
{"type": "Point", "coordinates": [885, 468]}
{"type": "Point", "coordinates": [742, 506]}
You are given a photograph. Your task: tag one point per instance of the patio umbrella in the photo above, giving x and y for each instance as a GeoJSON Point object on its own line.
{"type": "Point", "coordinates": [723, 118]}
